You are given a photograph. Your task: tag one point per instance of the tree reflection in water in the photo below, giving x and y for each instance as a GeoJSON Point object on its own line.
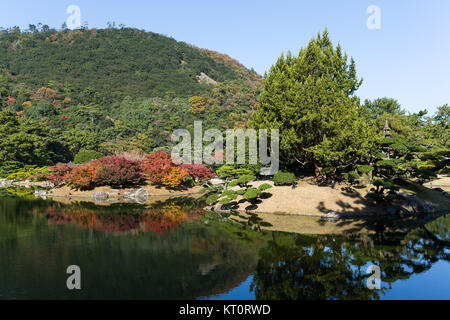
{"type": "Point", "coordinates": [157, 255]}
{"type": "Point", "coordinates": [330, 267]}
{"type": "Point", "coordinates": [161, 217]}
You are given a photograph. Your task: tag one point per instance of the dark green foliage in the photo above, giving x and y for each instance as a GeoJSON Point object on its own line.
{"type": "Point", "coordinates": [84, 156]}
{"type": "Point", "coordinates": [386, 163]}
{"type": "Point", "coordinates": [352, 176]}
{"type": "Point", "coordinates": [424, 175]}
{"type": "Point", "coordinates": [252, 193]}
{"type": "Point", "coordinates": [379, 107]}
{"type": "Point", "coordinates": [28, 143]}
{"type": "Point", "coordinates": [365, 169]}
{"type": "Point", "coordinates": [283, 178]}
{"type": "Point", "coordinates": [189, 182]}
{"type": "Point", "coordinates": [264, 187]}
{"type": "Point", "coordinates": [212, 198]}
{"type": "Point", "coordinates": [310, 99]}
{"type": "Point", "coordinates": [382, 185]}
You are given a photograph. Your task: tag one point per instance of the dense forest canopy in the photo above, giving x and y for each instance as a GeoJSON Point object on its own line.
{"type": "Point", "coordinates": [113, 63]}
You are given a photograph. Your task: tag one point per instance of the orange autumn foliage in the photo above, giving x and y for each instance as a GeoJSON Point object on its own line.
{"type": "Point", "coordinates": [82, 177]}
{"type": "Point", "coordinates": [162, 171]}
{"type": "Point", "coordinates": [174, 177]}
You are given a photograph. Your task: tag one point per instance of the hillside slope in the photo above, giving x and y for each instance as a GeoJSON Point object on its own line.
{"type": "Point", "coordinates": [114, 62]}
{"type": "Point", "coordinates": [118, 89]}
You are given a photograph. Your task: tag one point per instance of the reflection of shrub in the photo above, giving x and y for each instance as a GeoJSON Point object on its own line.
{"type": "Point", "coordinates": [283, 178]}
{"type": "Point", "coordinates": [160, 218]}
{"type": "Point", "coordinates": [118, 172]}
{"type": "Point", "coordinates": [84, 156]}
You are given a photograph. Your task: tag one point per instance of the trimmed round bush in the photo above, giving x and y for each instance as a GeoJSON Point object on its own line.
{"type": "Point", "coordinates": [283, 178]}
{"type": "Point", "coordinates": [264, 186]}
{"type": "Point", "coordinates": [352, 176]}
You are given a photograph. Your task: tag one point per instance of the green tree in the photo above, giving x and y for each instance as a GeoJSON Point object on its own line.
{"type": "Point", "coordinates": [84, 156]}
{"type": "Point", "coordinates": [4, 90]}
{"type": "Point", "coordinates": [80, 139]}
{"type": "Point", "coordinates": [310, 99]}
{"type": "Point", "coordinates": [28, 143]}
{"type": "Point", "coordinates": [378, 107]}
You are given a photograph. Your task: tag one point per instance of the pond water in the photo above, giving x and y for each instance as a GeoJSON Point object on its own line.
{"type": "Point", "coordinates": [176, 250]}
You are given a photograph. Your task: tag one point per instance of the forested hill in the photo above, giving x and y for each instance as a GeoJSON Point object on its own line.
{"type": "Point", "coordinates": [110, 90]}
{"type": "Point", "coordinates": [114, 63]}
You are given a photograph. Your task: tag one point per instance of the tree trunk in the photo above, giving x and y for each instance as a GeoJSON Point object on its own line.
{"type": "Point", "coordinates": [317, 169]}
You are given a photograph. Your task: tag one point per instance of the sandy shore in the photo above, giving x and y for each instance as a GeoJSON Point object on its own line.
{"type": "Point", "coordinates": [311, 199]}
{"type": "Point", "coordinates": [441, 182]}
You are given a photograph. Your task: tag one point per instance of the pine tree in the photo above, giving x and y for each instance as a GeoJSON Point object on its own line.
{"type": "Point", "coordinates": [310, 98]}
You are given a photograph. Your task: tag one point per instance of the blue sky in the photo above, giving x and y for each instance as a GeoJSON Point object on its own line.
{"type": "Point", "coordinates": [407, 59]}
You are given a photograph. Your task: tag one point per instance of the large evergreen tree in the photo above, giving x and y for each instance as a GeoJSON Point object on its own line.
{"type": "Point", "coordinates": [310, 98]}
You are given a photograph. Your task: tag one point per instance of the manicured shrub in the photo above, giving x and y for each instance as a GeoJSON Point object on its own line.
{"type": "Point", "coordinates": [252, 193]}
{"type": "Point", "coordinates": [82, 177]}
{"type": "Point", "coordinates": [29, 173]}
{"type": "Point", "coordinates": [157, 165]}
{"type": "Point", "coordinates": [245, 179]}
{"type": "Point", "coordinates": [8, 167]}
{"type": "Point", "coordinates": [365, 169]}
{"type": "Point", "coordinates": [386, 163]}
{"type": "Point", "coordinates": [198, 171]}
{"type": "Point", "coordinates": [174, 177]}
{"type": "Point", "coordinates": [264, 187]}
{"type": "Point", "coordinates": [189, 182]}
{"type": "Point", "coordinates": [118, 172]}
{"type": "Point", "coordinates": [212, 198]}
{"type": "Point", "coordinates": [352, 176]}
{"type": "Point", "coordinates": [382, 185]}
{"type": "Point", "coordinates": [58, 172]}
{"type": "Point", "coordinates": [283, 178]}
{"type": "Point", "coordinates": [84, 156]}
